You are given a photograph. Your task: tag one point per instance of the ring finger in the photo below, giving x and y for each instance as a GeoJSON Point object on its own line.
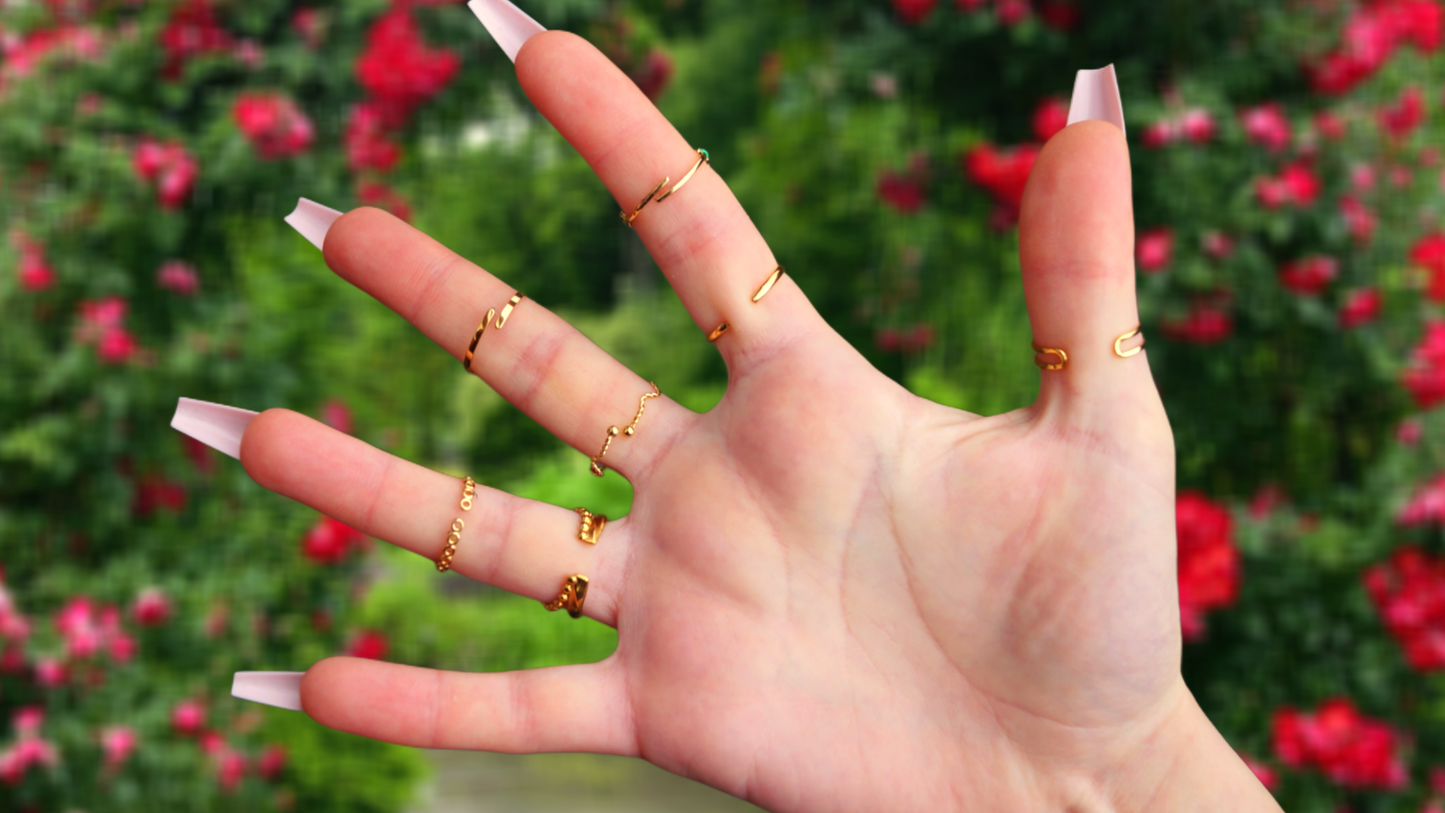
{"type": "Point", "coordinates": [522, 546]}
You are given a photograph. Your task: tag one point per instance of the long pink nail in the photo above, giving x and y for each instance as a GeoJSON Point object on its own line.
{"type": "Point", "coordinates": [313, 220]}
{"type": "Point", "coordinates": [279, 689]}
{"type": "Point", "coordinates": [508, 25]}
{"type": "Point", "coordinates": [216, 425]}
{"type": "Point", "coordinates": [1096, 96]}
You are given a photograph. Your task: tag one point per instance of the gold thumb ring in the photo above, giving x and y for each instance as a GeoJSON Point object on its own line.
{"type": "Point", "coordinates": [1120, 352]}
{"type": "Point", "coordinates": [1040, 352]}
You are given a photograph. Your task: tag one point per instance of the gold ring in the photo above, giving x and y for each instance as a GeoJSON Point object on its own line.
{"type": "Point", "coordinates": [574, 592]}
{"type": "Point", "coordinates": [702, 158]}
{"type": "Point", "coordinates": [592, 525]}
{"type": "Point", "coordinates": [628, 218]}
{"type": "Point", "coordinates": [768, 286]}
{"type": "Point", "coordinates": [717, 332]}
{"type": "Point", "coordinates": [630, 430]}
{"type": "Point", "coordinates": [1123, 354]}
{"type": "Point", "coordinates": [1047, 351]}
{"type": "Point", "coordinates": [507, 309]}
{"type": "Point", "coordinates": [454, 538]}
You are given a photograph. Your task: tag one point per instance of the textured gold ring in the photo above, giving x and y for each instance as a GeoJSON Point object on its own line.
{"type": "Point", "coordinates": [507, 309]}
{"type": "Point", "coordinates": [591, 528]}
{"type": "Point", "coordinates": [717, 332]}
{"type": "Point", "coordinates": [574, 593]}
{"type": "Point", "coordinates": [1050, 351]}
{"type": "Point", "coordinates": [629, 430]}
{"type": "Point", "coordinates": [454, 537]}
{"type": "Point", "coordinates": [702, 158]}
{"type": "Point", "coordinates": [1123, 354]}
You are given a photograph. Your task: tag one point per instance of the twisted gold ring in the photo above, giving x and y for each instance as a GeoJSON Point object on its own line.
{"type": "Point", "coordinates": [702, 158]}
{"type": "Point", "coordinates": [507, 309]}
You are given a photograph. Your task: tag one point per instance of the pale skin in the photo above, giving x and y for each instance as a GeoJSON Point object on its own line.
{"type": "Point", "coordinates": [830, 595]}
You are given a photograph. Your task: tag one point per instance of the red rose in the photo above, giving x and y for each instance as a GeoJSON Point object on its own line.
{"type": "Point", "coordinates": [1407, 113]}
{"type": "Point", "coordinates": [1429, 253]}
{"type": "Point", "coordinates": [1267, 125]}
{"type": "Point", "coordinates": [1154, 249]}
{"type": "Point", "coordinates": [275, 126]}
{"type": "Point", "coordinates": [913, 12]}
{"type": "Point", "coordinates": [1003, 173]}
{"type": "Point", "coordinates": [1310, 275]}
{"type": "Point", "coordinates": [904, 194]}
{"type": "Point", "coordinates": [1352, 750]}
{"type": "Point", "coordinates": [368, 644]}
{"type": "Point", "coordinates": [1361, 306]}
{"type": "Point", "coordinates": [1208, 560]}
{"type": "Point", "coordinates": [1051, 116]}
{"type": "Point", "coordinates": [1205, 324]}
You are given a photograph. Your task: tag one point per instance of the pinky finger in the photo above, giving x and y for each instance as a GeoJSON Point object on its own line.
{"type": "Point", "coordinates": [580, 708]}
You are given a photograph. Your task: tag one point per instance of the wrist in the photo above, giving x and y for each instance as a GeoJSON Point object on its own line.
{"type": "Point", "coordinates": [1181, 763]}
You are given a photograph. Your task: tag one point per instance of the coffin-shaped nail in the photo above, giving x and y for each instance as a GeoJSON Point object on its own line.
{"type": "Point", "coordinates": [1096, 96]}
{"type": "Point", "coordinates": [508, 25]}
{"type": "Point", "coordinates": [279, 689]}
{"type": "Point", "coordinates": [313, 220]}
{"type": "Point", "coordinates": [216, 425]}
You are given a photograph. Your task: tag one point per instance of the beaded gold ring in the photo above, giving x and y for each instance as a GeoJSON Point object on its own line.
{"type": "Point", "coordinates": [454, 537]}
{"type": "Point", "coordinates": [591, 527]}
{"type": "Point", "coordinates": [629, 430]}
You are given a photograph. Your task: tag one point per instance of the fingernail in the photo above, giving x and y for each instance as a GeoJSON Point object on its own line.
{"type": "Point", "coordinates": [279, 689]}
{"type": "Point", "coordinates": [313, 220]}
{"type": "Point", "coordinates": [216, 425]}
{"type": "Point", "coordinates": [508, 25]}
{"type": "Point", "coordinates": [1096, 96]}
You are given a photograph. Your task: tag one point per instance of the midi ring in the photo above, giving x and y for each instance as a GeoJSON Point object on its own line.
{"type": "Point", "coordinates": [629, 430]}
{"type": "Point", "coordinates": [1039, 352]}
{"type": "Point", "coordinates": [454, 538]}
{"type": "Point", "coordinates": [702, 158]}
{"type": "Point", "coordinates": [762, 291]}
{"type": "Point", "coordinates": [591, 528]}
{"type": "Point", "coordinates": [574, 593]}
{"type": "Point", "coordinates": [1123, 354]}
{"type": "Point", "coordinates": [507, 309]}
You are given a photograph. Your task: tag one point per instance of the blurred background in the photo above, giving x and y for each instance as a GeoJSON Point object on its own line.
{"type": "Point", "coordinates": [1291, 258]}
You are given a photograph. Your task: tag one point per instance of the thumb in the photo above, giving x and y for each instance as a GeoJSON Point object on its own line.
{"type": "Point", "coordinates": [1076, 245]}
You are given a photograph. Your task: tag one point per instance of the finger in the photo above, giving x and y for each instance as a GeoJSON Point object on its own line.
{"type": "Point", "coordinates": [1076, 242]}
{"type": "Point", "coordinates": [536, 361]}
{"type": "Point", "coordinates": [562, 708]}
{"type": "Point", "coordinates": [522, 546]}
{"type": "Point", "coordinates": [706, 245]}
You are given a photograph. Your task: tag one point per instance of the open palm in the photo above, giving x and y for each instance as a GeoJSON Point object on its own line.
{"type": "Point", "coordinates": [830, 594]}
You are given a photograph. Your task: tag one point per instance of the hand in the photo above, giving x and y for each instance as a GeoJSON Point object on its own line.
{"type": "Point", "coordinates": [830, 594]}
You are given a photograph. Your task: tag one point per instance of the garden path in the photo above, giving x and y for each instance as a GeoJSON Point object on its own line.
{"type": "Point", "coordinates": [471, 782]}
